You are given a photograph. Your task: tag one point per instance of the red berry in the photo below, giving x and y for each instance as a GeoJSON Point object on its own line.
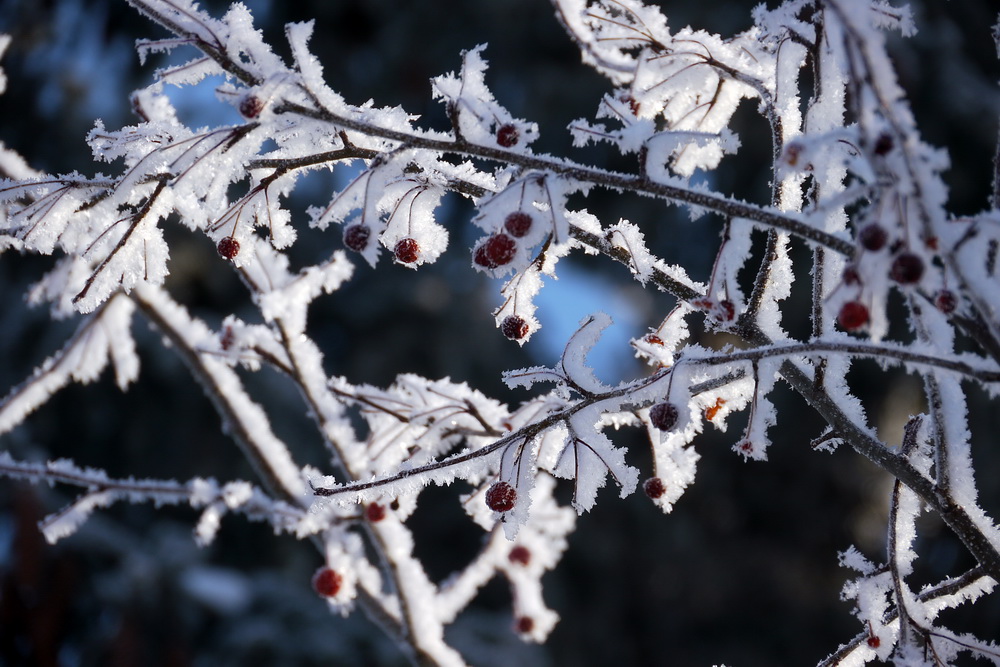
{"type": "Point", "coordinates": [883, 144]}
{"type": "Point", "coordinates": [375, 512]}
{"type": "Point", "coordinates": [496, 251]}
{"type": "Point", "coordinates": [654, 487]}
{"type": "Point", "coordinates": [519, 555]}
{"type": "Point", "coordinates": [356, 237]}
{"type": "Point", "coordinates": [407, 251]}
{"type": "Point", "coordinates": [874, 641]}
{"type": "Point", "coordinates": [907, 268]}
{"type": "Point", "coordinates": [327, 582]}
{"type": "Point", "coordinates": [853, 315]}
{"type": "Point", "coordinates": [507, 135]}
{"type": "Point", "coordinates": [501, 497]}
{"type": "Point", "coordinates": [664, 416]}
{"type": "Point", "coordinates": [228, 247]}
{"type": "Point", "coordinates": [873, 237]}
{"type": "Point", "coordinates": [251, 106]}
{"type": "Point", "coordinates": [946, 301]}
{"type": "Point", "coordinates": [518, 224]}
{"type": "Point", "coordinates": [524, 624]}
{"type": "Point", "coordinates": [514, 327]}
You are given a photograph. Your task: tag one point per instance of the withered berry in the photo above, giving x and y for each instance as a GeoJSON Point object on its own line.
{"type": "Point", "coordinates": [228, 247]}
{"type": "Point", "coordinates": [520, 555]}
{"type": "Point", "coordinates": [356, 236]}
{"type": "Point", "coordinates": [407, 251]}
{"type": "Point", "coordinates": [524, 624]}
{"type": "Point", "coordinates": [495, 251]}
{"type": "Point", "coordinates": [853, 315]}
{"type": "Point", "coordinates": [664, 415]}
{"type": "Point", "coordinates": [946, 301]}
{"type": "Point", "coordinates": [507, 135]}
{"type": "Point", "coordinates": [654, 487]}
{"type": "Point", "coordinates": [873, 237]}
{"type": "Point", "coordinates": [251, 106]}
{"type": "Point", "coordinates": [907, 268]}
{"type": "Point", "coordinates": [514, 327]}
{"type": "Point", "coordinates": [518, 224]}
{"type": "Point", "coordinates": [501, 497]}
{"type": "Point", "coordinates": [327, 582]}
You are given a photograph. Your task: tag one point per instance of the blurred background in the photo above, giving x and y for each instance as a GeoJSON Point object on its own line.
{"type": "Point", "coordinates": [743, 572]}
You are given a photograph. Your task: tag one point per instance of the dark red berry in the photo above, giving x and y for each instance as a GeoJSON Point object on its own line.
{"type": "Point", "coordinates": [883, 144]}
{"type": "Point", "coordinates": [514, 327]}
{"type": "Point", "coordinates": [873, 237]}
{"type": "Point", "coordinates": [874, 641]}
{"type": "Point", "coordinates": [375, 512]}
{"type": "Point", "coordinates": [907, 268]}
{"type": "Point", "coordinates": [853, 315]}
{"type": "Point", "coordinates": [228, 247]}
{"type": "Point", "coordinates": [327, 582]}
{"type": "Point", "coordinates": [507, 135]}
{"type": "Point", "coordinates": [356, 237]}
{"type": "Point", "coordinates": [495, 251]}
{"type": "Point", "coordinates": [501, 497]}
{"type": "Point", "coordinates": [664, 415]}
{"type": "Point", "coordinates": [654, 487]}
{"type": "Point", "coordinates": [946, 301]}
{"type": "Point", "coordinates": [518, 224]}
{"type": "Point", "coordinates": [407, 251]}
{"type": "Point", "coordinates": [524, 624]}
{"type": "Point", "coordinates": [519, 555]}
{"type": "Point", "coordinates": [251, 106]}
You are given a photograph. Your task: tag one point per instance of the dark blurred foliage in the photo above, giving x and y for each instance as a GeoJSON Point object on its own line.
{"type": "Point", "coordinates": [743, 572]}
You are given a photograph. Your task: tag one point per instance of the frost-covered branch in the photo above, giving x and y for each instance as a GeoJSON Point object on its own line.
{"type": "Point", "coordinates": [850, 180]}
